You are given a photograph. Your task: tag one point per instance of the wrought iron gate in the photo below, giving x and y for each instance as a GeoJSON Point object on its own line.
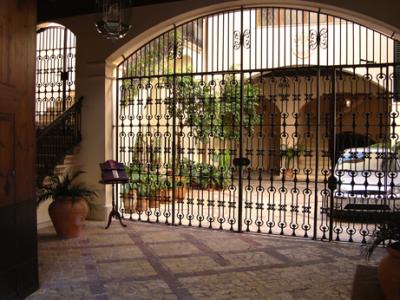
{"type": "Point", "coordinates": [270, 120]}
{"type": "Point", "coordinates": [55, 73]}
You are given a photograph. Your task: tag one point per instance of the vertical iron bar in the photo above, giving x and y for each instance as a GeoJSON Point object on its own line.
{"type": "Point", "coordinates": [240, 212]}
{"type": "Point", "coordinates": [332, 153]}
{"type": "Point", "coordinates": [174, 128]}
{"type": "Point", "coordinates": [317, 134]}
{"type": "Point", "coordinates": [64, 79]}
{"type": "Point", "coordinates": [116, 134]}
{"type": "Point", "coordinates": [386, 114]}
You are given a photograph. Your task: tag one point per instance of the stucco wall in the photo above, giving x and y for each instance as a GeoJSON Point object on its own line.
{"type": "Point", "coordinates": [94, 78]}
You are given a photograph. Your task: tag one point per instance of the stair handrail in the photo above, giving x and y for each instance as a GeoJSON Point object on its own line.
{"type": "Point", "coordinates": [60, 118]}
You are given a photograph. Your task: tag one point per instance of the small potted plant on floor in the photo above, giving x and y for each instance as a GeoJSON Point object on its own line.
{"type": "Point", "coordinates": [389, 266]}
{"type": "Point", "coordinates": [69, 205]}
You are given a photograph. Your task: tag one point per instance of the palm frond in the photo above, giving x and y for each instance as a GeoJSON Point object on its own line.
{"type": "Point", "coordinates": [58, 186]}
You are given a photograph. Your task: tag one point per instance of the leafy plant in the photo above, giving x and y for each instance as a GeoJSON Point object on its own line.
{"type": "Point", "coordinates": [224, 172]}
{"type": "Point", "coordinates": [215, 111]}
{"type": "Point", "coordinates": [204, 175]}
{"type": "Point", "coordinates": [290, 152]}
{"type": "Point", "coordinates": [146, 181]}
{"type": "Point", "coordinates": [57, 187]}
{"type": "Point", "coordinates": [388, 231]}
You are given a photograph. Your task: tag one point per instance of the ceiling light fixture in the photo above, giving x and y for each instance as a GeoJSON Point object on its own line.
{"type": "Point", "coordinates": [112, 25]}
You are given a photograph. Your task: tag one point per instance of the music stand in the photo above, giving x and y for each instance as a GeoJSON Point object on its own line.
{"type": "Point", "coordinates": [113, 173]}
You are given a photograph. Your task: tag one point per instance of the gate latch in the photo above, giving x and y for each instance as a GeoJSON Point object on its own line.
{"type": "Point", "coordinates": [241, 161]}
{"type": "Point", "coordinates": [64, 76]}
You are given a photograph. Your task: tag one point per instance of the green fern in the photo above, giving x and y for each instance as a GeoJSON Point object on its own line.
{"type": "Point", "coordinates": [59, 186]}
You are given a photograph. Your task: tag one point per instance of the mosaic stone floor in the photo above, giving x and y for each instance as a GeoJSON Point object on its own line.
{"type": "Point", "coordinates": [151, 261]}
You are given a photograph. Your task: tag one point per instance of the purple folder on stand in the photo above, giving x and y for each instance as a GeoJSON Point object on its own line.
{"type": "Point", "coordinates": [113, 172]}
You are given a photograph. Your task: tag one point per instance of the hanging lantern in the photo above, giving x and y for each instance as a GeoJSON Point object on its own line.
{"type": "Point", "coordinates": [112, 25]}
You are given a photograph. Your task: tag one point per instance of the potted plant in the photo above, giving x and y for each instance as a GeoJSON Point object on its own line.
{"type": "Point", "coordinates": [180, 188]}
{"type": "Point", "coordinates": [128, 195]}
{"type": "Point", "coordinates": [69, 207]}
{"type": "Point", "coordinates": [223, 172]}
{"type": "Point", "coordinates": [389, 266]}
{"type": "Point", "coordinates": [290, 152]}
{"type": "Point", "coordinates": [203, 176]}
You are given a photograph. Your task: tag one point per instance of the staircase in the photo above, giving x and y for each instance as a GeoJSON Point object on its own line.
{"type": "Point", "coordinates": [58, 140]}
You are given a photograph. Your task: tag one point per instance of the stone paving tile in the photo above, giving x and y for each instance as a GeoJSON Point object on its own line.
{"type": "Point", "coordinates": [189, 265]}
{"type": "Point", "coordinates": [107, 239]}
{"type": "Point", "coordinates": [58, 271]}
{"type": "Point", "coordinates": [151, 289]}
{"type": "Point", "coordinates": [305, 255]}
{"type": "Point", "coordinates": [273, 241]}
{"type": "Point", "coordinates": [59, 255]}
{"type": "Point", "coordinates": [75, 292]}
{"type": "Point", "coordinates": [174, 248]}
{"type": "Point", "coordinates": [253, 258]}
{"type": "Point", "coordinates": [117, 253]}
{"type": "Point", "coordinates": [50, 240]}
{"type": "Point", "coordinates": [147, 261]}
{"type": "Point", "coordinates": [161, 236]}
{"type": "Point", "coordinates": [227, 245]}
{"type": "Point", "coordinates": [99, 229]}
{"type": "Point", "coordinates": [236, 285]}
{"type": "Point", "coordinates": [136, 268]}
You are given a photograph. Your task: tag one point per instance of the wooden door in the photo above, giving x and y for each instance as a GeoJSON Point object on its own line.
{"type": "Point", "coordinates": [18, 242]}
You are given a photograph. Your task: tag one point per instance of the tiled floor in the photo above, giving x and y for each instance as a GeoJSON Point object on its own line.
{"type": "Point", "coordinates": [151, 261]}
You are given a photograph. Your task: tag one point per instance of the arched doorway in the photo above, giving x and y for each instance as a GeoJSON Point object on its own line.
{"type": "Point", "coordinates": [55, 72]}
{"type": "Point", "coordinates": [361, 115]}
{"type": "Point", "coordinates": [214, 96]}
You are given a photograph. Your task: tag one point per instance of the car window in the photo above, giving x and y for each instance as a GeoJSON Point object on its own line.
{"type": "Point", "coordinates": [364, 161]}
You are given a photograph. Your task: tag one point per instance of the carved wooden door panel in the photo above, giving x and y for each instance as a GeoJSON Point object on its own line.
{"type": "Point", "coordinates": [18, 242]}
{"type": "Point", "coordinates": [7, 159]}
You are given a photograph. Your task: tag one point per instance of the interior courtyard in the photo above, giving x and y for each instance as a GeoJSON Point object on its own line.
{"type": "Point", "coordinates": [222, 149]}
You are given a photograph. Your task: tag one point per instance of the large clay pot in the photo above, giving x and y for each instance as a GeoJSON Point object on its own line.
{"type": "Point", "coordinates": [67, 216]}
{"type": "Point", "coordinates": [389, 272]}
{"type": "Point", "coordinates": [130, 202]}
{"type": "Point", "coordinates": [180, 194]}
{"type": "Point", "coordinates": [143, 204]}
{"type": "Point", "coordinates": [86, 209]}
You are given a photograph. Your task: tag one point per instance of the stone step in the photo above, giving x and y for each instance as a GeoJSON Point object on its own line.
{"type": "Point", "coordinates": [69, 159]}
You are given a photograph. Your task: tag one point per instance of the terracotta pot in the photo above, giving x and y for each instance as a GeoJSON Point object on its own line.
{"type": "Point", "coordinates": [180, 193]}
{"type": "Point", "coordinates": [67, 216]}
{"type": "Point", "coordinates": [86, 209]}
{"type": "Point", "coordinates": [130, 202]}
{"type": "Point", "coordinates": [143, 204]}
{"type": "Point", "coordinates": [389, 272]}
{"type": "Point", "coordinates": [289, 175]}
{"type": "Point", "coordinates": [163, 195]}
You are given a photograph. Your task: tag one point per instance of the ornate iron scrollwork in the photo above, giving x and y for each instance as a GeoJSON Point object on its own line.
{"type": "Point", "coordinates": [237, 40]}
{"type": "Point", "coordinates": [318, 38]}
{"type": "Point", "coordinates": [175, 50]}
{"type": "Point", "coordinates": [241, 39]}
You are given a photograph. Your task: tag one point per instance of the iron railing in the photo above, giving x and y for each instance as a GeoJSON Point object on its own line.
{"type": "Point", "coordinates": [57, 140]}
{"type": "Point", "coordinates": [280, 121]}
